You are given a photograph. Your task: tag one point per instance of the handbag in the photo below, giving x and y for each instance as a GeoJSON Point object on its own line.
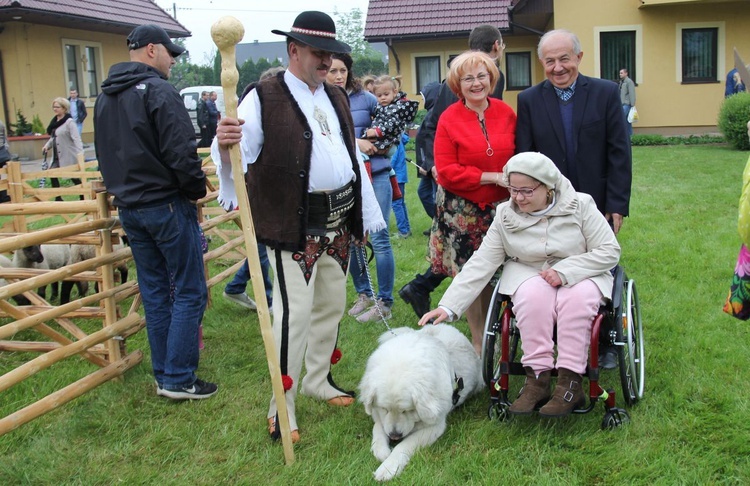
{"type": "Point", "coordinates": [632, 115]}
{"type": "Point", "coordinates": [738, 301]}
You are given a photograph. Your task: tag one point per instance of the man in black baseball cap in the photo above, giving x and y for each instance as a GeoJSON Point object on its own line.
{"type": "Point", "coordinates": [147, 154]}
{"type": "Point", "coordinates": [144, 35]}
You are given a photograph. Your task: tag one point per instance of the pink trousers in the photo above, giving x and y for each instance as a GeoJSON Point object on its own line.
{"type": "Point", "coordinates": [538, 306]}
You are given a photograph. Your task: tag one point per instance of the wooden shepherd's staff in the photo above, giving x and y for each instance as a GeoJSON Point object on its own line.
{"type": "Point", "coordinates": [227, 32]}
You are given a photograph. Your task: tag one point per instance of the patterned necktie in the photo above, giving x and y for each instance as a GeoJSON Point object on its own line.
{"type": "Point", "coordinates": [564, 94]}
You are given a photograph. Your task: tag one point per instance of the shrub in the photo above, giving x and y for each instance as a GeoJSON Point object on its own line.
{"type": "Point", "coordinates": [37, 126]}
{"type": "Point", "coordinates": [733, 117]}
{"type": "Point", "coordinates": [22, 125]}
{"type": "Point", "coordinates": [420, 116]}
{"type": "Point", "coordinates": [652, 139]}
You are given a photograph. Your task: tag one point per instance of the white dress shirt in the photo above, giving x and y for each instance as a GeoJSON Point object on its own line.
{"type": "Point", "coordinates": [330, 165]}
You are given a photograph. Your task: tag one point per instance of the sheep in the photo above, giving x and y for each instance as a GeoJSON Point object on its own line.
{"type": "Point", "coordinates": [5, 263]}
{"type": "Point", "coordinates": [79, 253]}
{"type": "Point", "coordinates": [56, 256]}
{"type": "Point", "coordinates": [29, 257]}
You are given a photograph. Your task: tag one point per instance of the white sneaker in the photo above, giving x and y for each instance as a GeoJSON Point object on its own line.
{"type": "Point", "coordinates": [373, 314]}
{"type": "Point", "coordinates": [241, 299]}
{"type": "Point", "coordinates": [360, 305]}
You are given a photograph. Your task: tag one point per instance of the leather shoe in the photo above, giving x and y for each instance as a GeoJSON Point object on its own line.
{"type": "Point", "coordinates": [608, 358]}
{"type": "Point", "coordinates": [418, 300]}
{"type": "Point", "coordinates": [341, 401]}
{"type": "Point", "coordinates": [276, 435]}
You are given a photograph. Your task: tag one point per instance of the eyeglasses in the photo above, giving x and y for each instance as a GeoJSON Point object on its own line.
{"type": "Point", "coordinates": [524, 191]}
{"type": "Point", "coordinates": [470, 79]}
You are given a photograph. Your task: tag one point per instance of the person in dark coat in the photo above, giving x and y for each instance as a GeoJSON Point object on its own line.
{"type": "Point", "coordinates": [147, 152]}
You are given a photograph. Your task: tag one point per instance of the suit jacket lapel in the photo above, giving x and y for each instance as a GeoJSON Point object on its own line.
{"type": "Point", "coordinates": [553, 112]}
{"type": "Point", "coordinates": [579, 104]}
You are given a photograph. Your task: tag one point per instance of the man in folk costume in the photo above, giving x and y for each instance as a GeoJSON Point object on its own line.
{"type": "Point", "coordinates": [309, 196]}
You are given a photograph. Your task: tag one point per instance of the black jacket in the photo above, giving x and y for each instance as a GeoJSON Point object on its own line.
{"type": "Point", "coordinates": [144, 138]}
{"type": "Point", "coordinates": [80, 109]}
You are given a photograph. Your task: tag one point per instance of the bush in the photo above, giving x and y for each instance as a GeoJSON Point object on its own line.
{"type": "Point", "coordinates": [733, 117]}
{"type": "Point", "coordinates": [420, 117]}
{"type": "Point", "coordinates": [646, 140]}
{"type": "Point", "coordinates": [22, 125]}
{"type": "Point", "coordinates": [37, 126]}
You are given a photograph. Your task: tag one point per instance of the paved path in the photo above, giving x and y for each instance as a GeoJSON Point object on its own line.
{"type": "Point", "coordinates": [36, 164]}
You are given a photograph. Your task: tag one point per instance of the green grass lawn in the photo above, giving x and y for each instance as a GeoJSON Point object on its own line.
{"type": "Point", "coordinates": [692, 426]}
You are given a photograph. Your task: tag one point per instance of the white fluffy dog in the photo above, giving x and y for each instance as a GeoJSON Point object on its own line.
{"type": "Point", "coordinates": [412, 380]}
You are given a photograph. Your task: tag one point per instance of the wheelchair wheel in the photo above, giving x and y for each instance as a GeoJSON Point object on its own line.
{"type": "Point", "coordinates": [491, 338]}
{"type": "Point", "coordinates": [629, 340]}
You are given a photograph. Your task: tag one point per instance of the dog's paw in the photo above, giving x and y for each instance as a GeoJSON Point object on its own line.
{"type": "Point", "coordinates": [384, 474]}
{"type": "Point", "coordinates": [381, 451]}
{"type": "Point", "coordinates": [390, 468]}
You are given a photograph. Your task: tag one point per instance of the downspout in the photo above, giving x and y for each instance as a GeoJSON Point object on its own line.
{"type": "Point", "coordinates": [3, 93]}
{"type": "Point", "coordinates": [389, 43]}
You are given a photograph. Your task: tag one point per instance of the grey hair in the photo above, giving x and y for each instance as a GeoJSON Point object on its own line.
{"type": "Point", "coordinates": [573, 39]}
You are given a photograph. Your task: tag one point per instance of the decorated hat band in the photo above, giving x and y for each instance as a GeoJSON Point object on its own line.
{"type": "Point", "coordinates": [318, 33]}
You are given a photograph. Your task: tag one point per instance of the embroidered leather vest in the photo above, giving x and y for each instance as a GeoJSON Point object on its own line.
{"type": "Point", "coordinates": [277, 182]}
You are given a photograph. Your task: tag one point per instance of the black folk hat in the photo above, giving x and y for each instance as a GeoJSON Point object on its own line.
{"type": "Point", "coordinates": [146, 34]}
{"type": "Point", "coordinates": [316, 29]}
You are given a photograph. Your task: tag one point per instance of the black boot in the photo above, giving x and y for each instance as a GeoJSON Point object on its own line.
{"type": "Point", "coordinates": [418, 300]}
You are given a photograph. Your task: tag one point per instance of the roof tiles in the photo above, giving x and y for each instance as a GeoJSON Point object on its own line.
{"type": "Point", "coordinates": [122, 13]}
{"type": "Point", "coordinates": [428, 18]}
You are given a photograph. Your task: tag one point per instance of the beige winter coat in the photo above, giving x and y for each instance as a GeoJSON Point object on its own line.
{"type": "Point", "coordinates": [573, 238]}
{"type": "Point", "coordinates": [68, 142]}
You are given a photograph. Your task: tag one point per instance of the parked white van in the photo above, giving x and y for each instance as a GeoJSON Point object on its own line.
{"type": "Point", "coordinates": [192, 95]}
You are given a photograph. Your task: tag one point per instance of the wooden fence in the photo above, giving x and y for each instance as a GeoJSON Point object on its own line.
{"type": "Point", "coordinates": [34, 217]}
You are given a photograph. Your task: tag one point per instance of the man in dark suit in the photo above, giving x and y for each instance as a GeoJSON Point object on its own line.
{"type": "Point", "coordinates": [577, 122]}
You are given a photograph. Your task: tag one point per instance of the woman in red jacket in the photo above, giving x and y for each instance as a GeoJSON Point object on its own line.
{"type": "Point", "coordinates": [475, 138]}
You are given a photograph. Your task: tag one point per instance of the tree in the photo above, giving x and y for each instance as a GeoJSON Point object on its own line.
{"type": "Point", "coordinates": [185, 74]}
{"type": "Point", "coordinates": [350, 28]}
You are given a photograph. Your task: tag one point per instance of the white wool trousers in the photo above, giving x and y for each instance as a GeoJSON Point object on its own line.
{"type": "Point", "coordinates": [309, 298]}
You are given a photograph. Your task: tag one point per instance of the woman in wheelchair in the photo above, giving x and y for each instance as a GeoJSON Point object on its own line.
{"type": "Point", "coordinates": [557, 251]}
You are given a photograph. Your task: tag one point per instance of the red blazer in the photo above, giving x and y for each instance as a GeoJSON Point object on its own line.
{"type": "Point", "coordinates": [461, 150]}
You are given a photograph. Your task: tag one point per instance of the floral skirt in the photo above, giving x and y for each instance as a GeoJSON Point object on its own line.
{"type": "Point", "coordinates": [457, 231]}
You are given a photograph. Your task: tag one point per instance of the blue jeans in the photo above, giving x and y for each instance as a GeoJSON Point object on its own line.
{"type": "Point", "coordinates": [426, 192]}
{"type": "Point", "coordinates": [625, 111]}
{"type": "Point", "coordinates": [165, 243]}
{"type": "Point", "coordinates": [385, 264]}
{"type": "Point", "coordinates": [399, 210]}
{"type": "Point", "coordinates": [239, 283]}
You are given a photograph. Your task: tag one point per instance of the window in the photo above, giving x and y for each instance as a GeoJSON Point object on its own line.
{"type": "Point", "coordinates": [427, 69]}
{"type": "Point", "coordinates": [617, 51]}
{"type": "Point", "coordinates": [699, 55]}
{"type": "Point", "coordinates": [83, 66]}
{"type": "Point", "coordinates": [518, 67]}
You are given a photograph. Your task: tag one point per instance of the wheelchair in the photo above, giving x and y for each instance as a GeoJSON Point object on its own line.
{"type": "Point", "coordinates": [617, 324]}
